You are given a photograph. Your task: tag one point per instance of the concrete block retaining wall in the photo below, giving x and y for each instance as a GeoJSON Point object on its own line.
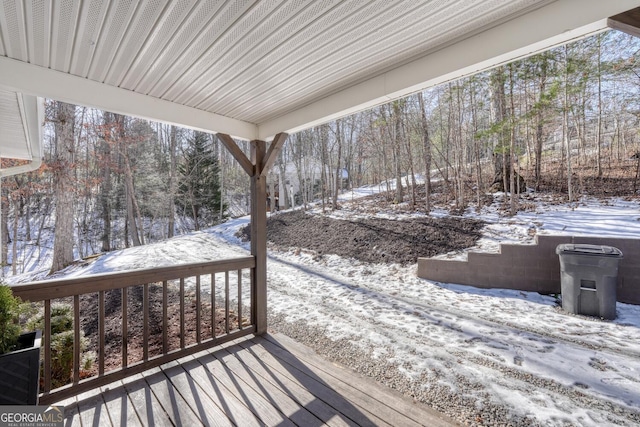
{"type": "Point", "coordinates": [532, 267]}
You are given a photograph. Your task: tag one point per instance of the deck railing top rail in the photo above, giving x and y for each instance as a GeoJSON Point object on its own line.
{"type": "Point", "coordinates": [67, 287]}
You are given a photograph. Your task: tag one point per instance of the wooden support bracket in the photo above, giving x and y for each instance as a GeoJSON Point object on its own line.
{"type": "Point", "coordinates": [273, 152]}
{"type": "Point", "coordinates": [237, 153]}
{"type": "Point", "coordinates": [257, 167]}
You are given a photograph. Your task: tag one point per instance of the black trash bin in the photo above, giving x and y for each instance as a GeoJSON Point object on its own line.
{"type": "Point", "coordinates": [588, 279]}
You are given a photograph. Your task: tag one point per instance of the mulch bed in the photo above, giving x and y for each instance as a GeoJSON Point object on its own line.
{"type": "Point", "coordinates": [372, 240]}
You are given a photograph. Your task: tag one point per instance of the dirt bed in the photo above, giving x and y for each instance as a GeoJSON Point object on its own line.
{"type": "Point", "coordinates": [372, 240]}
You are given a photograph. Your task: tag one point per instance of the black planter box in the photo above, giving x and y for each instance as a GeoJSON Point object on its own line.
{"type": "Point", "coordinates": [20, 372]}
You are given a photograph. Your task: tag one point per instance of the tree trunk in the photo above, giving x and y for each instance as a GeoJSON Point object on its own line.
{"type": "Point", "coordinates": [27, 217]}
{"type": "Point", "coordinates": [514, 190]}
{"type": "Point", "coordinates": [105, 183]}
{"type": "Point", "coordinates": [426, 143]}
{"type": "Point", "coordinates": [476, 145]}
{"type": "Point", "coordinates": [385, 158]}
{"type": "Point", "coordinates": [502, 156]}
{"type": "Point", "coordinates": [284, 196]}
{"type": "Point", "coordinates": [324, 141]}
{"type": "Point", "coordinates": [14, 246]}
{"type": "Point", "coordinates": [173, 167]}
{"type": "Point", "coordinates": [397, 122]}
{"type": "Point", "coordinates": [64, 188]}
{"type": "Point", "coordinates": [459, 154]}
{"type": "Point", "coordinates": [539, 130]}
{"type": "Point", "coordinates": [338, 182]}
{"type": "Point", "coordinates": [133, 211]}
{"type": "Point", "coordinates": [565, 124]}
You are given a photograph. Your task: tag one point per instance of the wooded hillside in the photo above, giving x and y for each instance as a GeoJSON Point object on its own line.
{"type": "Point", "coordinates": [565, 121]}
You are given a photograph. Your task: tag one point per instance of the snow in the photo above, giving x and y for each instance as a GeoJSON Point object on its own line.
{"type": "Point", "coordinates": [519, 347]}
{"type": "Point", "coordinates": [588, 217]}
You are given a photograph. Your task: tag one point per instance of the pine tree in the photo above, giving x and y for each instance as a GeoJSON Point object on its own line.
{"type": "Point", "coordinates": [199, 192]}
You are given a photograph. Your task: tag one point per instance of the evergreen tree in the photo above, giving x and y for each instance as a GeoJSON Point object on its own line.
{"type": "Point", "coordinates": [199, 192]}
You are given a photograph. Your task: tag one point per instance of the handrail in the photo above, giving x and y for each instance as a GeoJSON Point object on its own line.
{"type": "Point", "coordinates": [165, 281]}
{"type": "Point", "coordinates": [61, 288]}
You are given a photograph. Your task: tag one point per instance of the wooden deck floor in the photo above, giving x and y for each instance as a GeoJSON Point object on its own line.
{"type": "Point", "coordinates": [269, 380]}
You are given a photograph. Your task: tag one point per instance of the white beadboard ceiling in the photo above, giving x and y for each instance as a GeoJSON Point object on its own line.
{"type": "Point", "coordinates": [254, 68]}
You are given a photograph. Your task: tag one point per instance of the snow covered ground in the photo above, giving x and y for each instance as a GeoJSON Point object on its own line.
{"type": "Point", "coordinates": [511, 349]}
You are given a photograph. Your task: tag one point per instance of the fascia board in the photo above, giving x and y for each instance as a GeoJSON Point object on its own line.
{"type": "Point", "coordinates": [34, 117]}
{"type": "Point", "coordinates": [43, 82]}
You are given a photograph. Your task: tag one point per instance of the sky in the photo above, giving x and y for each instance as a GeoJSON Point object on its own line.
{"type": "Point", "coordinates": [514, 349]}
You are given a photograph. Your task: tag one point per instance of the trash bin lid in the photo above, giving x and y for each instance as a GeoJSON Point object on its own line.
{"type": "Point", "coordinates": [589, 250]}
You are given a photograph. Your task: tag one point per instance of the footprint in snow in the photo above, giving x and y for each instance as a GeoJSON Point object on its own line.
{"type": "Point", "coordinates": [474, 340]}
{"type": "Point", "coordinates": [600, 365]}
{"type": "Point", "coordinates": [546, 349]}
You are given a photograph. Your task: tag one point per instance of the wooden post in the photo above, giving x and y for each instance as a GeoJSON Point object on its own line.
{"type": "Point", "coordinates": [257, 168]}
{"type": "Point", "coordinates": [259, 236]}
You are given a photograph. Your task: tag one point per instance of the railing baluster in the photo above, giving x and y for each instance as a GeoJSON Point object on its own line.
{"type": "Point", "coordinates": [125, 357]}
{"type": "Point", "coordinates": [198, 337]}
{"type": "Point", "coordinates": [76, 339]}
{"type": "Point", "coordinates": [252, 290]}
{"type": "Point", "coordinates": [101, 333]}
{"type": "Point", "coordinates": [213, 305]}
{"type": "Point", "coordinates": [165, 321]}
{"type": "Point", "coordinates": [47, 345]}
{"type": "Point", "coordinates": [182, 312]}
{"type": "Point", "coordinates": [145, 322]}
{"type": "Point", "coordinates": [226, 301]}
{"type": "Point", "coordinates": [239, 299]}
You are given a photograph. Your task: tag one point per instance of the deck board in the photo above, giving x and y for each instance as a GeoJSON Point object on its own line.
{"type": "Point", "coordinates": [383, 401]}
{"type": "Point", "coordinates": [355, 403]}
{"type": "Point", "coordinates": [277, 360]}
{"type": "Point", "coordinates": [120, 409]}
{"type": "Point", "coordinates": [147, 407]}
{"type": "Point", "coordinates": [271, 394]}
{"type": "Point", "coordinates": [258, 405]}
{"type": "Point", "coordinates": [326, 414]}
{"type": "Point", "coordinates": [238, 413]}
{"type": "Point", "coordinates": [206, 409]}
{"type": "Point", "coordinates": [71, 415]}
{"type": "Point", "coordinates": [254, 381]}
{"type": "Point", "coordinates": [170, 399]}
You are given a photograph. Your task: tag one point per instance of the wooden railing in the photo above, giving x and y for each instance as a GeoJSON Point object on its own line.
{"type": "Point", "coordinates": [137, 320]}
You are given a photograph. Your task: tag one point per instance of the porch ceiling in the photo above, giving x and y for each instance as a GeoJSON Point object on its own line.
{"type": "Point", "coordinates": [253, 68]}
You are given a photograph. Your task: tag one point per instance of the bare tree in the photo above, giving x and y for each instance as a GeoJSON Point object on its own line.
{"type": "Point", "coordinates": [104, 162]}
{"type": "Point", "coordinates": [426, 143]}
{"type": "Point", "coordinates": [338, 181]}
{"type": "Point", "coordinates": [62, 165]}
{"type": "Point", "coordinates": [173, 168]}
{"type": "Point", "coordinates": [398, 111]}
{"type": "Point", "coordinates": [565, 123]}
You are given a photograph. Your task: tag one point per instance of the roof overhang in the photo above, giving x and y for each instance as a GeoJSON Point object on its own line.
{"type": "Point", "coordinates": [240, 83]}
{"type": "Point", "coordinates": [550, 26]}
{"type": "Point", "coordinates": [21, 119]}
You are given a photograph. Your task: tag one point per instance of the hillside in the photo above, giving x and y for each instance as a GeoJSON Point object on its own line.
{"type": "Point", "coordinates": [484, 357]}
